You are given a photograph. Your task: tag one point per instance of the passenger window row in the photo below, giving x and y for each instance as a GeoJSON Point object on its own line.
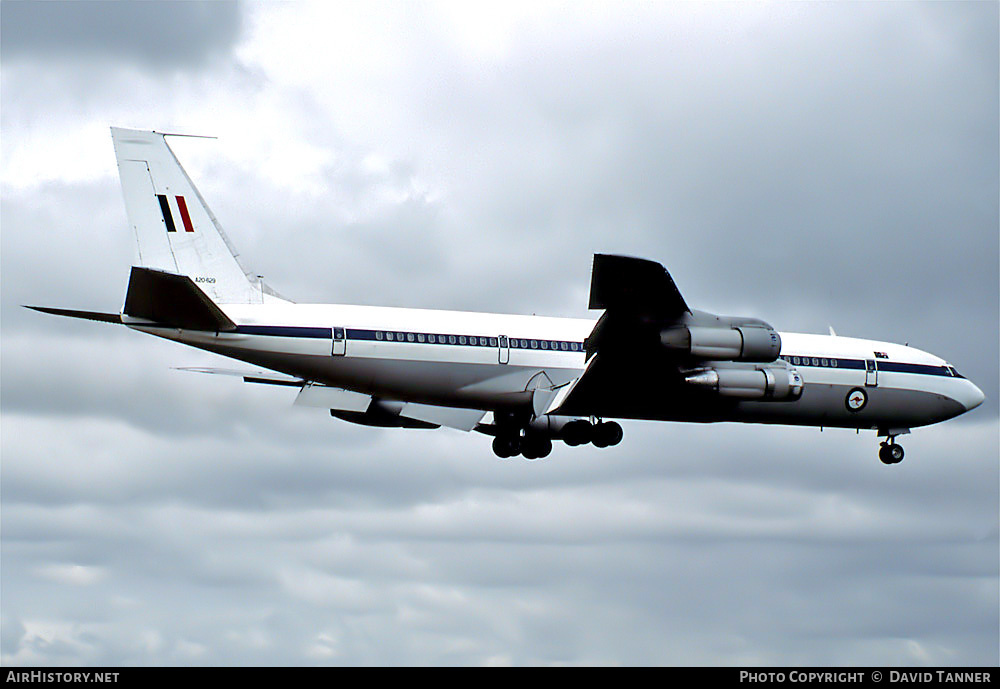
{"type": "Point", "coordinates": [813, 361]}
{"type": "Point", "coordinates": [476, 341]}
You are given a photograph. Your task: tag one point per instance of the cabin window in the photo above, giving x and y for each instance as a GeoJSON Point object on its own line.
{"type": "Point", "coordinates": [824, 362]}
{"type": "Point", "coordinates": [420, 337]}
{"type": "Point", "coordinates": [461, 339]}
{"type": "Point", "coordinates": [562, 346]}
{"type": "Point", "coordinates": [545, 344]}
{"type": "Point", "coordinates": [388, 336]}
{"type": "Point", "coordinates": [815, 361]}
{"type": "Point", "coordinates": [379, 335]}
{"type": "Point", "coordinates": [833, 362]}
{"type": "Point", "coordinates": [493, 342]}
{"type": "Point", "coordinates": [575, 346]}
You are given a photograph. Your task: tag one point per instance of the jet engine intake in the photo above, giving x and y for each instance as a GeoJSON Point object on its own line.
{"type": "Point", "coordinates": [753, 343]}
{"type": "Point", "coordinates": [760, 383]}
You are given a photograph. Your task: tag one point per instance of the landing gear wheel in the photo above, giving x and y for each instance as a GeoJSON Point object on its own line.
{"type": "Point", "coordinates": [896, 452]}
{"type": "Point", "coordinates": [536, 447]}
{"type": "Point", "coordinates": [890, 453]}
{"type": "Point", "coordinates": [607, 434]}
{"type": "Point", "coordinates": [505, 446]}
{"type": "Point", "coordinates": [577, 432]}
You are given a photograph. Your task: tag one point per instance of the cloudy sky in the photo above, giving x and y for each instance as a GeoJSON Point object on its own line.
{"type": "Point", "coordinates": [812, 164]}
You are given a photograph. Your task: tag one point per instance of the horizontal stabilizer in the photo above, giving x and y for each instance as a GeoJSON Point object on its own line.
{"type": "Point", "coordinates": [173, 300]}
{"type": "Point", "coordinates": [89, 315]}
{"type": "Point", "coordinates": [264, 377]}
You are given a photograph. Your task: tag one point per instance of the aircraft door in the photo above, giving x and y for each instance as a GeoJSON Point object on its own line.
{"type": "Point", "coordinates": [871, 373]}
{"type": "Point", "coordinates": [339, 341]}
{"type": "Point", "coordinates": [504, 349]}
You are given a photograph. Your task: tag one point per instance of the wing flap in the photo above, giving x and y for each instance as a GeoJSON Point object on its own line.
{"type": "Point", "coordinates": [337, 399]}
{"type": "Point", "coordinates": [452, 417]}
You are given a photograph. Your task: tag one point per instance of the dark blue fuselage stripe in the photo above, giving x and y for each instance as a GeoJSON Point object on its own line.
{"type": "Point", "coordinates": [284, 331]}
{"type": "Point", "coordinates": [881, 365]}
{"type": "Point", "coordinates": [913, 368]}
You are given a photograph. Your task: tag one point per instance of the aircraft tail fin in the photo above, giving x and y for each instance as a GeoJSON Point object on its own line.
{"type": "Point", "coordinates": [174, 228]}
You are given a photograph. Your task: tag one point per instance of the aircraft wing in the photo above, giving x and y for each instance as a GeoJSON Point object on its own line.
{"type": "Point", "coordinates": [627, 367]}
{"type": "Point", "coordinates": [650, 355]}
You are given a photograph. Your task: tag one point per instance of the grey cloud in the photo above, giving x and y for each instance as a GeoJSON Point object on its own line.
{"type": "Point", "coordinates": [507, 572]}
{"type": "Point", "coordinates": [11, 634]}
{"type": "Point", "coordinates": [155, 34]}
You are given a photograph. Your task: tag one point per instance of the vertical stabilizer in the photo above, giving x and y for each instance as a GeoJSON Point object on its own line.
{"type": "Point", "coordinates": [174, 228]}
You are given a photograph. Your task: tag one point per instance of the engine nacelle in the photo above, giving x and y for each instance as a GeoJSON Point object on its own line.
{"type": "Point", "coordinates": [754, 343]}
{"type": "Point", "coordinates": [761, 383]}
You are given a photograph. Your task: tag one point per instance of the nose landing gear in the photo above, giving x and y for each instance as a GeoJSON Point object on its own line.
{"type": "Point", "coordinates": [889, 452]}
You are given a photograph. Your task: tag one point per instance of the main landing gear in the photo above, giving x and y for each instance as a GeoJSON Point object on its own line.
{"type": "Point", "coordinates": [532, 444]}
{"type": "Point", "coordinates": [601, 434]}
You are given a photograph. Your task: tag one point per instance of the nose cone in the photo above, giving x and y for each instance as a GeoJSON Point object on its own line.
{"type": "Point", "coordinates": [970, 396]}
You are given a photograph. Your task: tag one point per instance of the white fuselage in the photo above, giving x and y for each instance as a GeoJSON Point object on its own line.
{"type": "Point", "coordinates": [488, 361]}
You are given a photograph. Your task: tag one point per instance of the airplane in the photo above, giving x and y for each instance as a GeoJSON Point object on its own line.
{"type": "Point", "coordinates": [524, 380]}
